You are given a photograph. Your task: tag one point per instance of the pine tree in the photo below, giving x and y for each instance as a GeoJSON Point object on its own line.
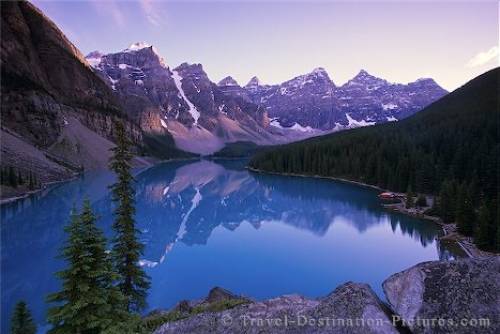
{"type": "Point", "coordinates": [22, 322]}
{"type": "Point", "coordinates": [31, 184]}
{"type": "Point", "coordinates": [497, 242]}
{"type": "Point", "coordinates": [421, 201]}
{"type": "Point", "coordinates": [447, 202]}
{"type": "Point", "coordinates": [127, 249]}
{"type": "Point", "coordinates": [12, 177]}
{"type": "Point", "coordinates": [465, 214]}
{"type": "Point", "coordinates": [2, 176]}
{"type": "Point", "coordinates": [20, 179]}
{"type": "Point", "coordinates": [484, 228]}
{"type": "Point", "coordinates": [88, 302]}
{"type": "Point", "coordinates": [410, 201]}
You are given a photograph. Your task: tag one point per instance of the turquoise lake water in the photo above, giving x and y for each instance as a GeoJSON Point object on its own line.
{"type": "Point", "coordinates": [209, 224]}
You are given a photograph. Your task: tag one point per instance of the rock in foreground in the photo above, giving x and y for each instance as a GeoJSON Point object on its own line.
{"type": "Point", "coordinates": [448, 297]}
{"type": "Point", "coordinates": [351, 308]}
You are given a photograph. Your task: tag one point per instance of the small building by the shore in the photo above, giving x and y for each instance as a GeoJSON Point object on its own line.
{"type": "Point", "coordinates": [387, 195]}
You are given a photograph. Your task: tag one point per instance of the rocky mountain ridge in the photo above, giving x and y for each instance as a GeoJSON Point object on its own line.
{"type": "Point", "coordinates": [203, 116]}
{"type": "Point", "coordinates": [182, 101]}
{"type": "Point", "coordinates": [314, 100]}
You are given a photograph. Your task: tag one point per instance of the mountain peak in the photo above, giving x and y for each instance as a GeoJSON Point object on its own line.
{"type": "Point", "coordinates": [94, 54]}
{"type": "Point", "coordinates": [319, 70]}
{"type": "Point", "coordinates": [254, 82]}
{"type": "Point", "coordinates": [426, 80]}
{"type": "Point", "coordinates": [138, 46]}
{"type": "Point", "coordinates": [363, 74]}
{"type": "Point", "coordinates": [319, 73]}
{"type": "Point", "coordinates": [427, 83]}
{"type": "Point", "coordinates": [364, 78]}
{"type": "Point", "coordinates": [228, 81]}
{"type": "Point", "coordinates": [94, 58]}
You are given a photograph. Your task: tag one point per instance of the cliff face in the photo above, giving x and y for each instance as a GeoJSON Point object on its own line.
{"type": "Point", "coordinates": [52, 102]}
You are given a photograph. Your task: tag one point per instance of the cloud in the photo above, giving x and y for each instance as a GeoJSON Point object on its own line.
{"type": "Point", "coordinates": [111, 9]}
{"type": "Point", "coordinates": [483, 58]}
{"type": "Point", "coordinates": [152, 13]}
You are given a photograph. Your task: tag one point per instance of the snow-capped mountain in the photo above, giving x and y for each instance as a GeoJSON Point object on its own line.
{"type": "Point", "coordinates": [182, 102]}
{"type": "Point", "coordinates": [202, 116]}
{"type": "Point", "coordinates": [369, 98]}
{"type": "Point", "coordinates": [305, 100]}
{"type": "Point", "coordinates": [314, 100]}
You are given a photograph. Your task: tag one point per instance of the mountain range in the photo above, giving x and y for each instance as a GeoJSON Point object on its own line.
{"type": "Point", "coordinates": [203, 116]}
{"type": "Point", "coordinates": [58, 108]}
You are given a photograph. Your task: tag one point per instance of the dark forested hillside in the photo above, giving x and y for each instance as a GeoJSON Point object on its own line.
{"type": "Point", "coordinates": [452, 144]}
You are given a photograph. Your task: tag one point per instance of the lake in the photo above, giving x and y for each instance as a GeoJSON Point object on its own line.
{"type": "Point", "coordinates": [213, 223]}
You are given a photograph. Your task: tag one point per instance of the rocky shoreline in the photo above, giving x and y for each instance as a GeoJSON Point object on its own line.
{"type": "Point", "coordinates": [450, 230]}
{"type": "Point", "coordinates": [459, 296]}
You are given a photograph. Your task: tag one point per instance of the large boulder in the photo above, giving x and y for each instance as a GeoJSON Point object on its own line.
{"type": "Point", "coordinates": [218, 294]}
{"type": "Point", "coordinates": [448, 297]}
{"type": "Point", "coordinates": [351, 308]}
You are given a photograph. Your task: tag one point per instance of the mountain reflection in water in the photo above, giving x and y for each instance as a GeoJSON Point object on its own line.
{"type": "Point", "coordinates": [208, 223]}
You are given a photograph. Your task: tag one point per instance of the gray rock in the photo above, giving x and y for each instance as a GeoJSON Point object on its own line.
{"type": "Point", "coordinates": [183, 307]}
{"type": "Point", "coordinates": [218, 294]}
{"type": "Point", "coordinates": [351, 308]}
{"type": "Point", "coordinates": [455, 290]}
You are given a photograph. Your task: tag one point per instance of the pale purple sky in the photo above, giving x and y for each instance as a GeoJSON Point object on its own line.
{"type": "Point", "coordinates": [400, 41]}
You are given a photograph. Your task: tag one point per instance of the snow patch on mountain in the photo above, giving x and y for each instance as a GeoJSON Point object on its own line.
{"type": "Point", "coordinates": [391, 119]}
{"type": "Point", "coordinates": [137, 46]}
{"type": "Point", "coordinates": [296, 126]}
{"type": "Point", "coordinates": [276, 123]}
{"type": "Point", "coordinates": [94, 62]}
{"type": "Point", "coordinates": [356, 124]}
{"type": "Point", "coordinates": [389, 106]}
{"type": "Point", "coordinates": [192, 109]}
{"type": "Point", "coordinates": [301, 128]}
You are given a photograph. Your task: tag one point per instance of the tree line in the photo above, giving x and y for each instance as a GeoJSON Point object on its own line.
{"type": "Point", "coordinates": [9, 176]}
{"type": "Point", "coordinates": [450, 149]}
{"type": "Point", "coordinates": [102, 291]}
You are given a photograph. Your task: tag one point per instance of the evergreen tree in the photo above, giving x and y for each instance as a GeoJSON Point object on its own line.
{"type": "Point", "coordinates": [3, 178]}
{"type": "Point", "coordinates": [447, 202]}
{"type": "Point", "coordinates": [22, 322]}
{"type": "Point", "coordinates": [465, 214]}
{"type": "Point", "coordinates": [410, 201]}
{"type": "Point", "coordinates": [127, 249]}
{"type": "Point", "coordinates": [20, 179]}
{"type": "Point", "coordinates": [484, 233]}
{"type": "Point", "coordinates": [497, 245]}
{"type": "Point", "coordinates": [421, 201]}
{"type": "Point", "coordinates": [12, 177]}
{"type": "Point", "coordinates": [31, 182]}
{"type": "Point", "coordinates": [88, 302]}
